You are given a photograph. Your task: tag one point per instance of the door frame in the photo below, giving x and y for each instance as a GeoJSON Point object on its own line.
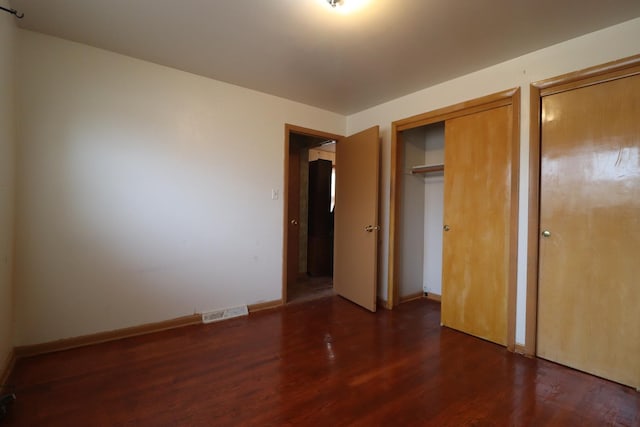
{"type": "Point", "coordinates": [288, 130]}
{"type": "Point", "coordinates": [499, 99]}
{"type": "Point", "coordinates": [609, 71]}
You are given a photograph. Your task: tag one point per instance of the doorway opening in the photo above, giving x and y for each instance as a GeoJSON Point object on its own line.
{"type": "Point", "coordinates": [420, 234]}
{"type": "Point", "coordinates": [310, 200]}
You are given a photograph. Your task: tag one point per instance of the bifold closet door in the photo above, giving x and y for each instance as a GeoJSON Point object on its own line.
{"type": "Point", "coordinates": [589, 274]}
{"type": "Point", "coordinates": [477, 207]}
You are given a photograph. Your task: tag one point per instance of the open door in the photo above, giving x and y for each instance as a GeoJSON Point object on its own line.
{"type": "Point", "coordinates": [356, 218]}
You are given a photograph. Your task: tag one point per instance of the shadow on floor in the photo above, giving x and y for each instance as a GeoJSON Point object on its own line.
{"type": "Point", "coordinates": [308, 288]}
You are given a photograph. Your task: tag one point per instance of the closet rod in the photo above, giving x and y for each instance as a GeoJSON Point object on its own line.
{"type": "Point", "coordinates": [13, 12]}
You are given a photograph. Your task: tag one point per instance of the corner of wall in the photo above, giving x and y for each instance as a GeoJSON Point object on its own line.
{"type": "Point", "coordinates": [8, 30]}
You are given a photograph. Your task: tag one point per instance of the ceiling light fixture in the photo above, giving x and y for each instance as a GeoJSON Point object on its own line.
{"type": "Point", "coordinates": [344, 7]}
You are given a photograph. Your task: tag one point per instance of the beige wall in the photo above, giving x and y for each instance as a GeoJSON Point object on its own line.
{"type": "Point", "coordinates": [144, 192]}
{"type": "Point", "coordinates": [7, 162]}
{"type": "Point", "coordinates": [596, 48]}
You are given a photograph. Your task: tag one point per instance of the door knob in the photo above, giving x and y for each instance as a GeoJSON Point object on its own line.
{"type": "Point", "coordinates": [370, 228]}
{"type": "Point", "coordinates": [446, 227]}
{"type": "Point", "coordinates": [546, 233]}
{"type": "Point", "coordinates": [294, 222]}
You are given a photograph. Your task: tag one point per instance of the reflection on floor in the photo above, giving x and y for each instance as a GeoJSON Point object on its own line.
{"type": "Point", "coordinates": [321, 362]}
{"type": "Point", "coordinates": [308, 288]}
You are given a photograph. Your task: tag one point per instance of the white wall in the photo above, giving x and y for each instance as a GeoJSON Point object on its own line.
{"type": "Point", "coordinates": [144, 193]}
{"type": "Point", "coordinates": [433, 210]}
{"type": "Point", "coordinates": [7, 165]}
{"type": "Point", "coordinates": [433, 217]}
{"type": "Point", "coordinates": [592, 49]}
{"type": "Point", "coordinates": [411, 227]}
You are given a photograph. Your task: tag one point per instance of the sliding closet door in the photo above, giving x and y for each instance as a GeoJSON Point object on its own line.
{"type": "Point", "coordinates": [477, 209]}
{"type": "Point", "coordinates": [589, 275]}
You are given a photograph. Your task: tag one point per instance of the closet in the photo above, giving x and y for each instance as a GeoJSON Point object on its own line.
{"type": "Point", "coordinates": [420, 250]}
{"type": "Point", "coordinates": [453, 233]}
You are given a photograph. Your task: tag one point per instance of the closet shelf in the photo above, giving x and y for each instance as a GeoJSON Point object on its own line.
{"type": "Point", "coordinates": [427, 169]}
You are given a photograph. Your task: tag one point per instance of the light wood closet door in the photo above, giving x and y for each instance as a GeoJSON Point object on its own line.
{"type": "Point", "coordinates": [589, 274]}
{"type": "Point", "coordinates": [477, 206]}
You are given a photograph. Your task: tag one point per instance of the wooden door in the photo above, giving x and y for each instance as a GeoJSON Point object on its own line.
{"type": "Point", "coordinates": [589, 271]}
{"type": "Point", "coordinates": [293, 213]}
{"type": "Point", "coordinates": [356, 218]}
{"type": "Point", "coordinates": [477, 208]}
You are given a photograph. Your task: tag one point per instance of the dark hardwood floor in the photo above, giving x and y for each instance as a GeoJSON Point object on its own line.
{"type": "Point", "coordinates": [322, 362]}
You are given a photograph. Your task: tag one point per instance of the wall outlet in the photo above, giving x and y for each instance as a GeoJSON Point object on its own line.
{"type": "Point", "coordinates": [225, 313]}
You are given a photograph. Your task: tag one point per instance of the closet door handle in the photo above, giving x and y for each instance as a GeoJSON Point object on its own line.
{"type": "Point", "coordinates": [446, 227]}
{"type": "Point", "coordinates": [370, 228]}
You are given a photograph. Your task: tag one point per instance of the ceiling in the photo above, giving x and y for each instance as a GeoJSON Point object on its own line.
{"type": "Point", "coordinates": [306, 51]}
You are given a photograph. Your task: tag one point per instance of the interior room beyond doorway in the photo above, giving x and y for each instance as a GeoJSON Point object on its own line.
{"type": "Point", "coordinates": [311, 201]}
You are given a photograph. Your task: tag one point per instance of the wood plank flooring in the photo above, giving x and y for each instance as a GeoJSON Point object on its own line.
{"type": "Point", "coordinates": [322, 362]}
